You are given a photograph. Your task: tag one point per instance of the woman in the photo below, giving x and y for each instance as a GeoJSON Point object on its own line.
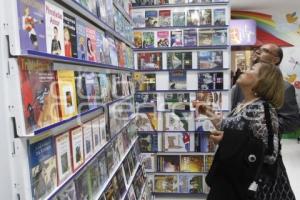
{"type": "Point", "coordinates": [262, 84]}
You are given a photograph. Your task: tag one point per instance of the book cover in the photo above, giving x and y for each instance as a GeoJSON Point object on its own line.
{"type": "Point", "coordinates": [94, 177]}
{"type": "Point", "coordinates": [138, 18]}
{"type": "Point", "coordinates": [144, 2]}
{"type": "Point", "coordinates": [99, 46]}
{"type": "Point", "coordinates": [103, 134]}
{"type": "Point", "coordinates": [164, 18]}
{"type": "Point", "coordinates": [83, 186]}
{"type": "Point", "coordinates": [210, 81]}
{"type": "Point", "coordinates": [208, 162]}
{"type": "Point", "coordinates": [210, 59]}
{"type": "Point", "coordinates": [206, 37]}
{"type": "Point", "coordinates": [67, 93]}
{"type": "Point", "coordinates": [110, 194]}
{"type": "Point", "coordinates": [32, 30]}
{"type": "Point", "coordinates": [110, 13]}
{"type": "Point", "coordinates": [92, 6]}
{"type": "Point", "coordinates": [106, 47]}
{"type": "Point", "coordinates": [97, 143]}
{"type": "Point", "coordinates": [131, 195]}
{"type": "Point", "coordinates": [54, 29]}
{"type": "Point", "coordinates": [91, 44]}
{"type": "Point", "coordinates": [102, 163]}
{"type": "Point", "coordinates": [178, 121]}
{"type": "Point", "coordinates": [116, 187]}
{"type": "Point", "coordinates": [76, 138]}
{"type": "Point", "coordinates": [92, 89]}
{"type": "Point", "coordinates": [82, 98]}
{"type": "Point", "coordinates": [190, 37]}
{"type": "Point", "coordinates": [219, 17]}
{"type": "Point", "coordinates": [177, 80]}
{"type": "Point", "coordinates": [129, 58]}
{"type": "Point", "coordinates": [146, 102]}
{"type": "Point", "coordinates": [81, 40]}
{"type": "Point", "coordinates": [87, 140]}
{"type": "Point", "coordinates": [103, 10]}
{"type": "Point", "coordinates": [63, 156]}
{"type": "Point", "coordinates": [138, 41]}
{"type": "Point", "coordinates": [183, 183]}
{"type": "Point", "coordinates": [151, 18]}
{"type": "Point", "coordinates": [39, 93]}
{"type": "Point", "coordinates": [120, 182]}
{"type": "Point", "coordinates": [174, 60]}
{"type": "Point", "coordinates": [176, 142]}
{"type": "Point", "coordinates": [192, 163]}
{"type": "Point", "coordinates": [204, 144]}
{"type": "Point", "coordinates": [43, 168]}
{"type": "Point", "coordinates": [138, 181]}
{"type": "Point", "coordinates": [127, 171]}
{"type": "Point", "coordinates": [148, 39]}
{"type": "Point", "coordinates": [168, 163]}
{"type": "Point", "coordinates": [177, 101]}
{"type": "Point", "coordinates": [191, 183]}
{"type": "Point", "coordinates": [148, 142]}
{"type": "Point", "coordinates": [144, 82]}
{"type": "Point", "coordinates": [212, 99]}
{"type": "Point", "coordinates": [178, 18]}
{"type": "Point", "coordinates": [146, 121]}
{"type": "Point", "coordinates": [176, 38]}
{"type": "Point", "coordinates": [105, 87]}
{"type": "Point", "coordinates": [68, 192]}
{"type": "Point", "coordinates": [187, 60]}
{"type": "Point", "coordinates": [112, 51]}
{"type": "Point", "coordinates": [163, 38]}
{"type": "Point", "coordinates": [148, 162]}
{"type": "Point", "coordinates": [121, 53]}
{"type": "Point", "coordinates": [149, 61]}
{"type": "Point", "coordinates": [193, 18]}
{"type": "Point", "coordinates": [219, 37]}
{"type": "Point", "coordinates": [166, 183]}
{"type": "Point", "coordinates": [70, 36]}
{"type": "Point", "coordinates": [205, 17]}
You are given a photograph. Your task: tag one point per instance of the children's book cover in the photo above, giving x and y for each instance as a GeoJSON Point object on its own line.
{"type": "Point", "coordinates": [151, 18]}
{"type": "Point", "coordinates": [81, 40]}
{"type": "Point", "coordinates": [91, 44]}
{"type": "Point", "coordinates": [70, 36]}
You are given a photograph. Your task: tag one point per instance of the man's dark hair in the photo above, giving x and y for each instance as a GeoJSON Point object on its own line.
{"type": "Point", "coordinates": [280, 55]}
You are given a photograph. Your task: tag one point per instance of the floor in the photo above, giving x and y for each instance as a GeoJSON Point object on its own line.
{"type": "Point", "coordinates": [291, 158]}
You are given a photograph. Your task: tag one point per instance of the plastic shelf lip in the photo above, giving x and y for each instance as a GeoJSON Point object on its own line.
{"type": "Point", "coordinates": [203, 195]}
{"type": "Point", "coordinates": [181, 27]}
{"type": "Point", "coordinates": [170, 70]}
{"type": "Point", "coordinates": [180, 5]}
{"type": "Point", "coordinates": [179, 91]}
{"type": "Point", "coordinates": [182, 48]}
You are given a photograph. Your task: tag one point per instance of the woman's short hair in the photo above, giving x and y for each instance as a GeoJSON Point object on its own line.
{"type": "Point", "coordinates": [270, 85]}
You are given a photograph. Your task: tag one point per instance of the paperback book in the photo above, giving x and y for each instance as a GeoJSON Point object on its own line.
{"type": "Point", "coordinates": [210, 81]}
{"type": "Point", "coordinates": [219, 37]}
{"type": "Point", "coordinates": [210, 59]}
{"type": "Point", "coordinates": [178, 121]}
{"type": "Point", "coordinates": [138, 39]}
{"type": "Point", "coordinates": [206, 37]}
{"type": "Point", "coordinates": [176, 38]}
{"type": "Point", "coordinates": [102, 163]}
{"type": "Point", "coordinates": [219, 17]}
{"type": "Point", "coordinates": [163, 38]}
{"type": "Point", "coordinates": [97, 139]}
{"type": "Point", "coordinates": [94, 176]}
{"type": "Point", "coordinates": [138, 17]}
{"type": "Point", "coordinates": [176, 142]}
{"type": "Point", "coordinates": [190, 37]}
{"type": "Point", "coordinates": [148, 39]}
{"type": "Point", "coordinates": [144, 82]}
{"type": "Point", "coordinates": [68, 192]}
{"type": "Point", "coordinates": [91, 44]}
{"type": "Point", "coordinates": [166, 183]}
{"type": "Point", "coordinates": [179, 60]}
{"type": "Point", "coordinates": [168, 163]}
{"type": "Point", "coordinates": [202, 142]}
{"type": "Point", "coordinates": [177, 80]}
{"type": "Point", "coordinates": [120, 46]}
{"type": "Point", "coordinates": [105, 88]}
{"type": "Point", "coordinates": [149, 61]}
{"type": "Point", "coordinates": [146, 121]}
{"type": "Point", "coordinates": [76, 137]}
{"type": "Point", "coordinates": [178, 18]}
{"type": "Point", "coordinates": [81, 40]}
{"type": "Point", "coordinates": [177, 101]}
{"type": "Point", "coordinates": [208, 162]}
{"type": "Point", "coordinates": [88, 140]}
{"type": "Point", "coordinates": [103, 11]}
{"type": "Point", "coordinates": [193, 18]}
{"type": "Point", "coordinates": [148, 142]}
{"type": "Point", "coordinates": [148, 162]}
{"type": "Point", "coordinates": [99, 46]}
{"type": "Point", "coordinates": [216, 100]}
{"type": "Point", "coordinates": [191, 183]}
{"type": "Point", "coordinates": [205, 17]}
{"type": "Point", "coordinates": [192, 163]}
{"type": "Point", "coordinates": [151, 18]}
{"type": "Point", "coordinates": [164, 18]}
{"type": "Point", "coordinates": [70, 36]}
{"type": "Point", "coordinates": [146, 102]}
{"type": "Point", "coordinates": [83, 185]}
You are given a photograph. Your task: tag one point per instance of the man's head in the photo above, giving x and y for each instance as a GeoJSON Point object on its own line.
{"type": "Point", "coordinates": [268, 53]}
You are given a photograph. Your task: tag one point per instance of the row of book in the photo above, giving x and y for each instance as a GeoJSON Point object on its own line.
{"type": "Point", "coordinates": [50, 95]}
{"type": "Point", "coordinates": [175, 142]}
{"type": "Point", "coordinates": [174, 121]}
{"type": "Point", "coordinates": [164, 2]}
{"type": "Point", "coordinates": [195, 16]}
{"type": "Point", "coordinates": [51, 29]}
{"type": "Point", "coordinates": [206, 59]}
{"type": "Point", "coordinates": [180, 38]}
{"type": "Point", "coordinates": [152, 102]}
{"type": "Point", "coordinates": [178, 81]}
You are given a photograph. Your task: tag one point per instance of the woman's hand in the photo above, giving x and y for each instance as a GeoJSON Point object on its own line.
{"type": "Point", "coordinates": [203, 108]}
{"type": "Point", "coordinates": [216, 136]}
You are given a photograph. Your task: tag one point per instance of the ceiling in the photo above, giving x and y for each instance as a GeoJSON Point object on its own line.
{"type": "Point", "coordinates": [263, 4]}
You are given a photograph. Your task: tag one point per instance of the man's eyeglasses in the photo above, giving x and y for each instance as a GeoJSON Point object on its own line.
{"type": "Point", "coordinates": [265, 50]}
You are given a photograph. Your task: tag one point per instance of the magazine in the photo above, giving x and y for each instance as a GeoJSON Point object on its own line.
{"type": "Point", "coordinates": [146, 121]}
{"type": "Point", "coordinates": [219, 37]}
{"type": "Point", "coordinates": [168, 163]}
{"type": "Point", "coordinates": [148, 142]}
{"type": "Point", "coordinates": [146, 102]}
{"type": "Point", "coordinates": [163, 38]}
{"type": "Point", "coordinates": [178, 18]}
{"type": "Point", "coordinates": [138, 39]}
{"type": "Point", "coordinates": [149, 61]}
{"type": "Point", "coordinates": [76, 137]}
{"type": "Point", "coordinates": [206, 37]}
{"type": "Point", "coordinates": [144, 82]}
{"type": "Point", "coordinates": [70, 36]}
{"type": "Point", "coordinates": [164, 18]}
{"type": "Point", "coordinates": [138, 17]}
{"type": "Point", "coordinates": [166, 183]}
{"type": "Point", "coordinates": [210, 59]}
{"type": "Point", "coordinates": [151, 18]}
{"type": "Point", "coordinates": [210, 81]}
{"type": "Point", "coordinates": [219, 17]}
{"type": "Point", "coordinates": [177, 80]}
{"type": "Point", "coordinates": [177, 101]}
{"type": "Point", "coordinates": [148, 39]}
{"type": "Point", "coordinates": [205, 17]}
{"type": "Point", "coordinates": [176, 142]}
{"type": "Point", "coordinates": [190, 37]}
{"type": "Point", "coordinates": [178, 121]}
{"type": "Point", "coordinates": [193, 18]}
{"type": "Point", "coordinates": [176, 38]}
{"type": "Point", "coordinates": [192, 163]}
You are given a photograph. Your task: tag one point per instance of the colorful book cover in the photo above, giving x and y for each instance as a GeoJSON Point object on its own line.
{"type": "Point", "coordinates": [205, 17]}
{"type": "Point", "coordinates": [149, 61]}
{"type": "Point", "coordinates": [193, 18]}
{"type": "Point", "coordinates": [219, 37]}
{"type": "Point", "coordinates": [219, 17]}
{"type": "Point", "coordinates": [144, 82]}
{"type": "Point", "coordinates": [176, 142]}
{"type": "Point", "coordinates": [68, 192]}
{"type": "Point", "coordinates": [112, 51]}
{"type": "Point", "coordinates": [103, 10]}
{"type": "Point", "coordinates": [145, 102]}
{"type": "Point", "coordinates": [206, 37]}
{"type": "Point", "coordinates": [178, 121]}
{"type": "Point", "coordinates": [166, 183]}
{"type": "Point", "coordinates": [110, 13]}
{"type": "Point", "coordinates": [70, 36]}
{"type": "Point", "coordinates": [178, 18]}
{"type": "Point", "coordinates": [148, 39]}
{"type": "Point", "coordinates": [106, 47]}
{"type": "Point", "coordinates": [151, 18]}
{"type": "Point", "coordinates": [110, 193]}
{"type": "Point", "coordinates": [67, 93]}
{"type": "Point", "coordinates": [105, 88]}
{"type": "Point", "coordinates": [120, 182]}
{"type": "Point", "coordinates": [63, 156]}
{"type": "Point", "coordinates": [165, 18]}
{"type": "Point", "coordinates": [147, 122]}
{"type": "Point", "coordinates": [174, 60]}
{"type": "Point", "coordinates": [177, 80]}
{"type": "Point", "coordinates": [32, 30]}
{"type": "Point", "coordinates": [99, 46]}
{"type": "Point", "coordinates": [83, 186]}
{"type": "Point", "coordinates": [210, 59]}
{"type": "Point", "coordinates": [191, 183]}
{"type": "Point", "coordinates": [127, 171]}
{"type": "Point", "coordinates": [76, 138]}
{"type": "Point", "coordinates": [92, 89]}
{"type": "Point", "coordinates": [190, 37]}
{"type": "Point", "coordinates": [54, 29]}
{"type": "Point", "coordinates": [208, 162]}
{"type": "Point", "coordinates": [88, 140]}
{"type": "Point", "coordinates": [148, 142]}
{"type": "Point", "coordinates": [138, 39]}
{"type": "Point", "coordinates": [38, 86]}
{"type": "Point", "coordinates": [210, 81]}
{"type": "Point", "coordinates": [177, 101]}
{"type": "Point", "coordinates": [121, 48]}
{"type": "Point", "coordinates": [213, 99]}
{"type": "Point", "coordinates": [129, 58]}
{"type": "Point", "coordinates": [81, 40]}
{"type": "Point", "coordinates": [168, 163]}
{"type": "Point", "coordinates": [148, 162]}
{"type": "Point", "coordinates": [91, 44]}
{"type": "Point", "coordinates": [176, 38]}
{"type": "Point", "coordinates": [82, 98]}
{"type": "Point", "coordinates": [187, 60]}
{"type": "Point", "coordinates": [163, 39]}
{"type": "Point", "coordinates": [138, 17]}
{"type": "Point", "coordinates": [42, 167]}
{"type": "Point", "coordinates": [192, 163]}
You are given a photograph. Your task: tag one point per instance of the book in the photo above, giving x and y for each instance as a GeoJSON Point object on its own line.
{"type": "Point", "coordinates": [219, 37]}
{"type": "Point", "coordinates": [213, 99]}
{"type": "Point", "coordinates": [148, 162]}
{"type": "Point", "coordinates": [138, 39]}
{"type": "Point", "coordinates": [68, 192]}
{"type": "Point", "coordinates": [210, 59]}
{"type": "Point", "coordinates": [138, 181]}
{"type": "Point", "coordinates": [168, 163]}
{"type": "Point", "coordinates": [176, 142]}
{"type": "Point", "coordinates": [205, 37]}
{"type": "Point", "coordinates": [187, 60]}
{"type": "Point", "coordinates": [208, 162]}
{"type": "Point", "coordinates": [177, 101]}
{"type": "Point", "coordinates": [81, 40]}
{"type": "Point", "coordinates": [178, 18]}
{"type": "Point", "coordinates": [149, 61]}
{"type": "Point", "coordinates": [83, 186]}
{"type": "Point", "coordinates": [146, 102]}
{"type": "Point", "coordinates": [148, 39]}
{"type": "Point", "coordinates": [178, 121]}
{"type": "Point", "coordinates": [103, 11]}
{"type": "Point", "coordinates": [91, 44]}
{"type": "Point", "coordinates": [205, 17]}
{"type": "Point", "coordinates": [179, 60]}
{"type": "Point", "coordinates": [105, 87]}
{"type": "Point", "coordinates": [97, 143]}
{"type": "Point", "coordinates": [131, 195]}
{"type": "Point", "coordinates": [99, 46]}
{"type": "Point", "coordinates": [190, 37]}
{"type": "Point", "coordinates": [219, 17]}
{"type": "Point", "coordinates": [164, 18]}
{"type": "Point", "coordinates": [120, 182]}
{"type": "Point", "coordinates": [144, 82]}
{"type": "Point", "coordinates": [176, 38]}
{"type": "Point", "coordinates": [143, 2]}
{"type": "Point", "coordinates": [112, 50]}
{"type": "Point", "coordinates": [70, 36]}
{"type": "Point", "coordinates": [43, 168]}
{"type": "Point", "coordinates": [106, 47]}
{"type": "Point", "coordinates": [210, 81]}
{"type": "Point", "coordinates": [190, 183]}
{"type": "Point", "coordinates": [148, 142]}
{"type": "Point", "coordinates": [67, 93]}
{"type": "Point", "coordinates": [94, 176]}
{"type": "Point", "coordinates": [193, 18]}
{"type": "Point", "coordinates": [177, 80]}
{"type": "Point", "coordinates": [127, 170]}
{"type": "Point", "coordinates": [76, 138]}
{"type": "Point", "coordinates": [166, 183]}
{"type": "Point", "coordinates": [39, 93]}
{"type": "Point", "coordinates": [87, 139]}
{"type": "Point", "coordinates": [120, 46]}
{"type": "Point", "coordinates": [202, 142]}
{"type": "Point", "coordinates": [54, 29]}
{"type": "Point", "coordinates": [63, 156]}
{"type": "Point", "coordinates": [192, 163]}
{"type": "Point", "coordinates": [103, 133]}
{"type": "Point", "coordinates": [146, 121]}
{"type": "Point", "coordinates": [110, 194]}
{"type": "Point", "coordinates": [32, 30]}
{"type": "Point", "coordinates": [110, 13]}
{"type": "Point", "coordinates": [102, 163]}
{"type": "Point", "coordinates": [129, 58]}
{"type": "Point", "coordinates": [92, 89]}
{"type": "Point", "coordinates": [138, 18]}
{"type": "Point", "coordinates": [151, 18]}
{"type": "Point", "coordinates": [110, 162]}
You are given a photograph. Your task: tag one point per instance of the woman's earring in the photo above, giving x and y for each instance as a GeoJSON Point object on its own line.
{"type": "Point", "coordinates": [255, 94]}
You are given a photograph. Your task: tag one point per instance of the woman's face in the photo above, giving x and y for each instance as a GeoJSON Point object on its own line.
{"type": "Point", "coordinates": [249, 77]}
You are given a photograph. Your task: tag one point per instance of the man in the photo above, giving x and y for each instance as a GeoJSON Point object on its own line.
{"type": "Point", "coordinates": [288, 114]}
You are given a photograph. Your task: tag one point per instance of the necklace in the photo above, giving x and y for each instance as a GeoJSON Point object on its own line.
{"type": "Point", "coordinates": [241, 106]}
